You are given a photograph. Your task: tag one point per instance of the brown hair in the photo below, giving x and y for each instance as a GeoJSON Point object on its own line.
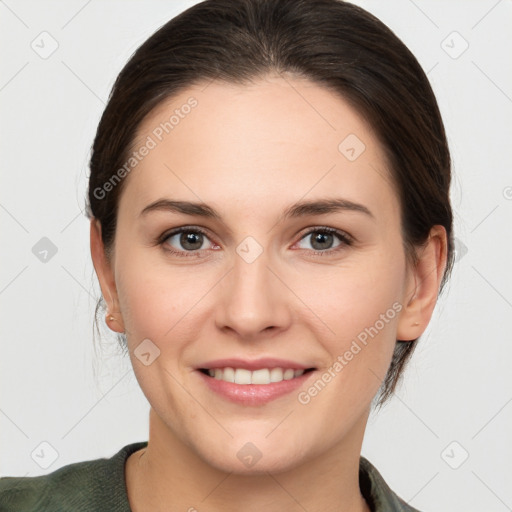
{"type": "Point", "coordinates": [331, 42]}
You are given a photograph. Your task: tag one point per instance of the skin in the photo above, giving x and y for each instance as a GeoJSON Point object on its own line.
{"type": "Point", "coordinates": [250, 152]}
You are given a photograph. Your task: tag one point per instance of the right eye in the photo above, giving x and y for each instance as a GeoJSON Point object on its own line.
{"type": "Point", "coordinates": [181, 241]}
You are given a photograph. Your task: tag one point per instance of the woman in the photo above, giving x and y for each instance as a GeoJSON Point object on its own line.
{"type": "Point", "coordinates": [270, 227]}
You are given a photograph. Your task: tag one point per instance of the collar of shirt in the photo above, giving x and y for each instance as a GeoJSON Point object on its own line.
{"type": "Point", "coordinates": [376, 492]}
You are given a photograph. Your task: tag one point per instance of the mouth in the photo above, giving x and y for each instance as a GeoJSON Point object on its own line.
{"type": "Point", "coordinates": [252, 383]}
{"type": "Point", "coordinates": [261, 376]}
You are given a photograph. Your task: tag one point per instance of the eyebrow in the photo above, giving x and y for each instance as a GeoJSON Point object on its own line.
{"type": "Point", "coordinates": [299, 209]}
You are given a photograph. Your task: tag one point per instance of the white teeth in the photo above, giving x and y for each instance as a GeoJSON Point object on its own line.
{"type": "Point", "coordinates": [228, 375]}
{"type": "Point", "coordinates": [262, 376]}
{"type": "Point", "coordinates": [288, 374]}
{"type": "Point", "coordinates": [276, 375]}
{"type": "Point", "coordinates": [242, 376]}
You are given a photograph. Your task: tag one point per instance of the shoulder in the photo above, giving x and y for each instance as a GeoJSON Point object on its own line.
{"type": "Point", "coordinates": [89, 485]}
{"type": "Point", "coordinates": [376, 491]}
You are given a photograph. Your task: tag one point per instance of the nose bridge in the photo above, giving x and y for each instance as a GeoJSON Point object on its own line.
{"type": "Point", "coordinates": [254, 299]}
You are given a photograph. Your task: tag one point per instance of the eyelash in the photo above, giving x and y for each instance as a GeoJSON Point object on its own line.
{"type": "Point", "coordinates": [345, 239]}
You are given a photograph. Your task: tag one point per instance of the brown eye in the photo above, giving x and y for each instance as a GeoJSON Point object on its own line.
{"type": "Point", "coordinates": [185, 240]}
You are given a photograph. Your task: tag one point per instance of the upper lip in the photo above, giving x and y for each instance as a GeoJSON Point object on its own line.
{"type": "Point", "coordinates": [254, 364]}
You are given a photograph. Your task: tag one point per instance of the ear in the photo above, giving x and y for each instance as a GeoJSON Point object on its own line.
{"type": "Point", "coordinates": [422, 288]}
{"type": "Point", "coordinates": [106, 278]}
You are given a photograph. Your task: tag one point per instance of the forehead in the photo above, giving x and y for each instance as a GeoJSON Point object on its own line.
{"type": "Point", "coordinates": [275, 138]}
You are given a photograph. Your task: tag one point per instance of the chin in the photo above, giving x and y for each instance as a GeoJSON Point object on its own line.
{"type": "Point", "coordinates": [244, 457]}
{"type": "Point", "coordinates": [275, 463]}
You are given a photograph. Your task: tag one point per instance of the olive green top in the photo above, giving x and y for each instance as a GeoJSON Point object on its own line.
{"type": "Point", "coordinates": [99, 485]}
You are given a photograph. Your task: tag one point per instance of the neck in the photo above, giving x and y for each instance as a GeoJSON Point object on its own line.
{"type": "Point", "coordinates": [169, 475]}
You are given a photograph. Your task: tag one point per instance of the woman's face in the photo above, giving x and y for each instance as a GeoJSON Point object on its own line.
{"type": "Point", "coordinates": [267, 283]}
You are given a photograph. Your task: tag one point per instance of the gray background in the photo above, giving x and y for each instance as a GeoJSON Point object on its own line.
{"type": "Point", "coordinates": [455, 400]}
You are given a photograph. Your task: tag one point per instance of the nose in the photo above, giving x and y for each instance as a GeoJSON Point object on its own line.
{"type": "Point", "coordinates": [254, 300]}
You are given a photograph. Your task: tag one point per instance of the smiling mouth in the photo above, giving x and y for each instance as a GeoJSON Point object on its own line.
{"type": "Point", "coordinates": [261, 376]}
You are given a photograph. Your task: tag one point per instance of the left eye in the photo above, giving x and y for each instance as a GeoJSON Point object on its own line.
{"type": "Point", "coordinates": [323, 239]}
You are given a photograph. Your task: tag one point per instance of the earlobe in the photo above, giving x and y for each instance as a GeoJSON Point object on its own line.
{"type": "Point", "coordinates": [423, 284]}
{"type": "Point", "coordinates": [105, 275]}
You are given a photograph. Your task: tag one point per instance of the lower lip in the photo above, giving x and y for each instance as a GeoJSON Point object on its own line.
{"type": "Point", "coordinates": [254, 394]}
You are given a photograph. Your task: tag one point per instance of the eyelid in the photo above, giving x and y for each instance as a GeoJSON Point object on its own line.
{"type": "Point", "coordinates": [327, 229]}
{"type": "Point", "coordinates": [192, 229]}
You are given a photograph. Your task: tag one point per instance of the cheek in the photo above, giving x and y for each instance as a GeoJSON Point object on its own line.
{"type": "Point", "coordinates": [148, 299]}
{"type": "Point", "coordinates": [158, 301]}
{"type": "Point", "coordinates": [352, 297]}
{"type": "Point", "coordinates": [361, 307]}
